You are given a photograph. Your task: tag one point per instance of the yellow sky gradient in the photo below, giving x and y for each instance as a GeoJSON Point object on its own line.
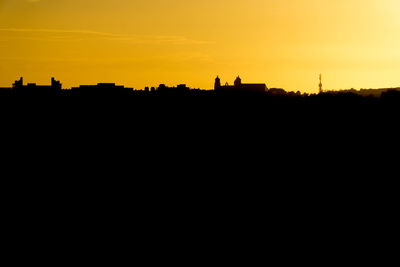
{"type": "Point", "coordinates": [284, 43]}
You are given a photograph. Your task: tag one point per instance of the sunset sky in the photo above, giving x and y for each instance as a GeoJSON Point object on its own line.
{"type": "Point", "coordinates": [284, 43]}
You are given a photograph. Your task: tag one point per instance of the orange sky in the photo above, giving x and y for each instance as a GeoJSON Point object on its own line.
{"type": "Point", "coordinates": [284, 43]}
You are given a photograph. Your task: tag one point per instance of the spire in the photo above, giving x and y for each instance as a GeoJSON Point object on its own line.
{"type": "Point", "coordinates": [320, 84]}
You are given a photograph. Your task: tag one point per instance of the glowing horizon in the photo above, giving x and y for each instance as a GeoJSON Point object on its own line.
{"type": "Point", "coordinates": [283, 43]}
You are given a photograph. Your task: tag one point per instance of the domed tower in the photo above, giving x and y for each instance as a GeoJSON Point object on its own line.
{"type": "Point", "coordinates": [238, 82]}
{"type": "Point", "coordinates": [217, 84]}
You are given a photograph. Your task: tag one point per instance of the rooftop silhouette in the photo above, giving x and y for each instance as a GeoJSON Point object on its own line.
{"type": "Point", "coordinates": [32, 88]}
{"type": "Point", "coordinates": [240, 87]}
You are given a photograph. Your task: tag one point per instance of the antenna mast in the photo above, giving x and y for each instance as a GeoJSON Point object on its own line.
{"type": "Point", "coordinates": [320, 84]}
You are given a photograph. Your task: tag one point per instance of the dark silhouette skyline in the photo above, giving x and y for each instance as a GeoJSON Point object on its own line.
{"type": "Point", "coordinates": [237, 89]}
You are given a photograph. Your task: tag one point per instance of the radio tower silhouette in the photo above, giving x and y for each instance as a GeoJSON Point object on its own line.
{"type": "Point", "coordinates": [320, 83]}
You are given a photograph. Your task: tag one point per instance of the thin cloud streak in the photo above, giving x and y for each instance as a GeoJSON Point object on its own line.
{"type": "Point", "coordinates": [139, 39]}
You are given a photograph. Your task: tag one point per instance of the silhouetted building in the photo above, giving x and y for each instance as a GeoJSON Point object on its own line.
{"type": "Point", "coordinates": [101, 89]}
{"type": "Point", "coordinates": [19, 83]}
{"type": "Point", "coordinates": [217, 84]}
{"type": "Point", "coordinates": [277, 92]}
{"type": "Point", "coordinates": [239, 86]}
{"type": "Point", "coordinates": [181, 89]}
{"type": "Point", "coordinates": [34, 89]}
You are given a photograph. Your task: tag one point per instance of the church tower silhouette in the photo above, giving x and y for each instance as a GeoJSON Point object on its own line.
{"type": "Point", "coordinates": [238, 82]}
{"type": "Point", "coordinates": [217, 83]}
